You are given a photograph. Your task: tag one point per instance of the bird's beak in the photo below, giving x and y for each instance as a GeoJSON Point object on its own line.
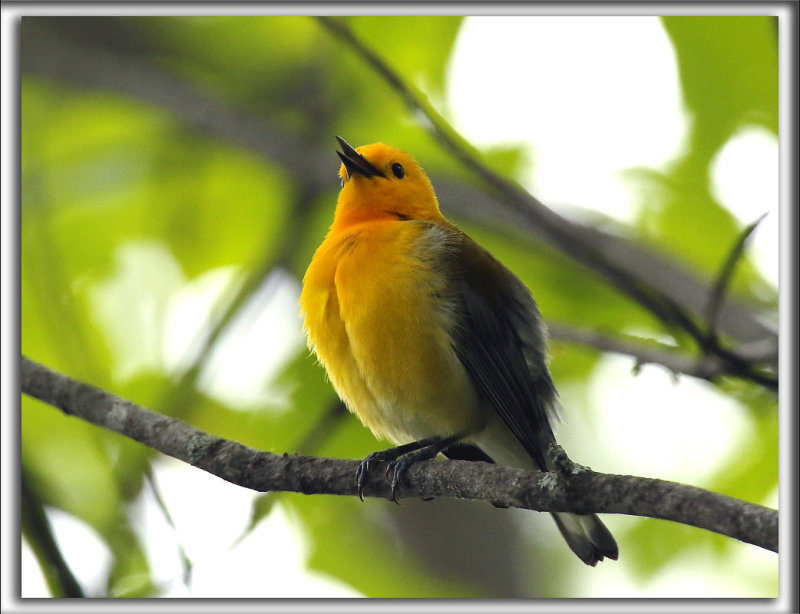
{"type": "Point", "coordinates": [354, 162]}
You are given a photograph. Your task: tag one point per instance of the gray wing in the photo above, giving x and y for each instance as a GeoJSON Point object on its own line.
{"type": "Point", "coordinates": [501, 341]}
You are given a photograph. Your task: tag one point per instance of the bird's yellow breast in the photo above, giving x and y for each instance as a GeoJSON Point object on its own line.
{"type": "Point", "coordinates": [376, 312]}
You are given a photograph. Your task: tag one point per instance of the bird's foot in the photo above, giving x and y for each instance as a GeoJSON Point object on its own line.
{"type": "Point", "coordinates": [399, 460]}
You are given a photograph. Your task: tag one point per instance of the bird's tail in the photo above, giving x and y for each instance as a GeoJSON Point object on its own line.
{"type": "Point", "coordinates": [587, 536]}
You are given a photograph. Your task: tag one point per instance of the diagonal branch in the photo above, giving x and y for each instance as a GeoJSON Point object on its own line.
{"type": "Point", "coordinates": [581, 491]}
{"type": "Point", "coordinates": [707, 367]}
{"type": "Point", "coordinates": [564, 235]}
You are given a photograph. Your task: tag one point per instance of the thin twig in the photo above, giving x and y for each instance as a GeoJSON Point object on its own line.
{"type": "Point", "coordinates": [715, 299]}
{"type": "Point", "coordinates": [186, 563]}
{"type": "Point", "coordinates": [584, 492]}
{"type": "Point", "coordinates": [707, 367]}
{"type": "Point", "coordinates": [37, 530]}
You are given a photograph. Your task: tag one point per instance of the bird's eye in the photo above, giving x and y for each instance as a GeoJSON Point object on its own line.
{"type": "Point", "coordinates": [398, 171]}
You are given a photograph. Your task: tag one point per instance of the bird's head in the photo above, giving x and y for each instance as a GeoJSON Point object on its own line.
{"type": "Point", "coordinates": [382, 182]}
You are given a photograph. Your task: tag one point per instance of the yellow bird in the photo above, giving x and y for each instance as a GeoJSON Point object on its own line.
{"type": "Point", "coordinates": [427, 338]}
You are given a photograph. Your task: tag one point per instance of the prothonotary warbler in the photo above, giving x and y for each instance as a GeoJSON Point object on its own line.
{"type": "Point", "coordinates": [428, 339]}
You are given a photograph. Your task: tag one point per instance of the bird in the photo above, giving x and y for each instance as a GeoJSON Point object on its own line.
{"type": "Point", "coordinates": [428, 339]}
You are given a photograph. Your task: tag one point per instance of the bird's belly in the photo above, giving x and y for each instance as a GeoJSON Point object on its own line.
{"type": "Point", "coordinates": [385, 340]}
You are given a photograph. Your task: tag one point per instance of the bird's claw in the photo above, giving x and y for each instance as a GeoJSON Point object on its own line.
{"type": "Point", "coordinates": [395, 468]}
{"type": "Point", "coordinates": [392, 474]}
{"type": "Point", "coordinates": [362, 474]}
{"type": "Point", "coordinates": [398, 460]}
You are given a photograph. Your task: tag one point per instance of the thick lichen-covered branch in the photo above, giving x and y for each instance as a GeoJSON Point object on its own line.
{"type": "Point", "coordinates": [577, 490]}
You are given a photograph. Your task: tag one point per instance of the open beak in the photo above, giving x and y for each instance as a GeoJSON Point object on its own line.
{"type": "Point", "coordinates": [354, 162]}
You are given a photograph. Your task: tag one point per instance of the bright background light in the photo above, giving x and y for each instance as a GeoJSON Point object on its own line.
{"type": "Point", "coordinates": [586, 117]}
{"type": "Point", "coordinates": [571, 88]}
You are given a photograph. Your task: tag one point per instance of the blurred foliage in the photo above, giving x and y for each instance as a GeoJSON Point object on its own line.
{"type": "Point", "coordinates": [729, 73]}
{"type": "Point", "coordinates": [129, 212]}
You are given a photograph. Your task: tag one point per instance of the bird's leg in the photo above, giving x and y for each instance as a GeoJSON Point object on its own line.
{"type": "Point", "coordinates": [386, 455]}
{"type": "Point", "coordinates": [399, 466]}
{"type": "Point", "coordinates": [400, 459]}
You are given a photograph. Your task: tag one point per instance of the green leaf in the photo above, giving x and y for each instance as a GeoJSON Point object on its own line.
{"type": "Point", "coordinates": [729, 71]}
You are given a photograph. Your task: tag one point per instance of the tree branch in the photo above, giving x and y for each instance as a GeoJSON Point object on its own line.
{"type": "Point", "coordinates": [566, 236]}
{"type": "Point", "coordinates": [704, 367]}
{"type": "Point", "coordinates": [578, 490]}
